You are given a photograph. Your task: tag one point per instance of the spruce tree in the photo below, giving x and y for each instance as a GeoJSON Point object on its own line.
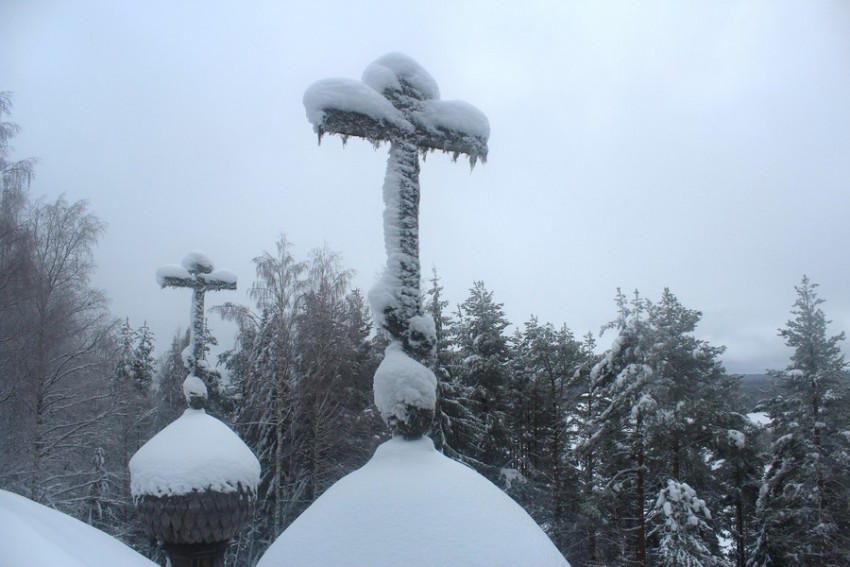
{"type": "Point", "coordinates": [803, 501]}
{"type": "Point", "coordinates": [457, 426]}
{"type": "Point", "coordinates": [482, 366]}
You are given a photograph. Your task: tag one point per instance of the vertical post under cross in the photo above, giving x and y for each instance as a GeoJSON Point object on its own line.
{"type": "Point", "coordinates": [196, 273]}
{"type": "Point", "coordinates": [399, 102]}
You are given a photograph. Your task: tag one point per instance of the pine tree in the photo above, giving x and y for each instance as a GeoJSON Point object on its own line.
{"type": "Point", "coordinates": [659, 395]}
{"type": "Point", "coordinates": [803, 501]}
{"type": "Point", "coordinates": [143, 359]}
{"type": "Point", "coordinates": [544, 360]}
{"type": "Point", "coordinates": [737, 465]}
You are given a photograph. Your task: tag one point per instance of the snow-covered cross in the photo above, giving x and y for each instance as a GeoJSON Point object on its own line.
{"type": "Point", "coordinates": [196, 273]}
{"type": "Point", "coordinates": [399, 102]}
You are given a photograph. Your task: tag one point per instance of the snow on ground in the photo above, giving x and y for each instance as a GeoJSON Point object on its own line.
{"type": "Point", "coordinates": [195, 452]}
{"type": "Point", "coordinates": [412, 506]}
{"type": "Point", "coordinates": [32, 535]}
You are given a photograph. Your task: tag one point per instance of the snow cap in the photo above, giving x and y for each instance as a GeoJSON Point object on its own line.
{"type": "Point", "coordinates": [411, 505]}
{"type": "Point", "coordinates": [349, 95]}
{"type": "Point", "coordinates": [198, 262]}
{"type": "Point", "coordinates": [195, 453]}
{"type": "Point", "coordinates": [396, 72]}
{"type": "Point", "coordinates": [401, 382]}
{"type": "Point", "coordinates": [195, 392]}
{"type": "Point", "coordinates": [171, 272]}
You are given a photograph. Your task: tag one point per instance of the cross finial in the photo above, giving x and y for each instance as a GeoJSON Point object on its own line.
{"type": "Point", "coordinates": [196, 272]}
{"type": "Point", "coordinates": [399, 102]}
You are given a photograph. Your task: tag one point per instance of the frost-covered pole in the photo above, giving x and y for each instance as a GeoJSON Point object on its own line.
{"type": "Point", "coordinates": [399, 102]}
{"type": "Point", "coordinates": [196, 273]}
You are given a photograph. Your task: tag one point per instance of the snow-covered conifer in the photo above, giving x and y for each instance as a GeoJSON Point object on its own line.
{"type": "Point", "coordinates": [803, 504]}
{"type": "Point", "coordinates": [680, 522]}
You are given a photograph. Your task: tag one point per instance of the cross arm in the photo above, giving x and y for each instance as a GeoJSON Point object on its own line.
{"type": "Point", "coordinates": [175, 276]}
{"type": "Point", "coordinates": [452, 126]}
{"type": "Point", "coordinates": [178, 276]}
{"type": "Point", "coordinates": [218, 280]}
{"type": "Point", "coordinates": [350, 108]}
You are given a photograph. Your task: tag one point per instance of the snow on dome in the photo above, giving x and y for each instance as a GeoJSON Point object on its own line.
{"type": "Point", "coordinates": [394, 71]}
{"type": "Point", "coordinates": [35, 535]}
{"type": "Point", "coordinates": [198, 262]}
{"type": "Point", "coordinates": [171, 272]}
{"type": "Point", "coordinates": [410, 505]}
{"type": "Point", "coordinates": [196, 452]}
{"type": "Point", "coordinates": [401, 381]}
{"type": "Point", "coordinates": [349, 95]}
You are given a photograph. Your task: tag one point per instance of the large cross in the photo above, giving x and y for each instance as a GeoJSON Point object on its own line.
{"type": "Point", "coordinates": [399, 102]}
{"type": "Point", "coordinates": [196, 273]}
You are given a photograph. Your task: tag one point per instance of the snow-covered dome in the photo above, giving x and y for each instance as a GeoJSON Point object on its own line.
{"type": "Point", "coordinates": [410, 505]}
{"type": "Point", "coordinates": [35, 535]}
{"type": "Point", "coordinates": [196, 452]}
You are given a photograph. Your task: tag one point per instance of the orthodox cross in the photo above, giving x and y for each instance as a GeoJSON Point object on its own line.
{"type": "Point", "coordinates": [399, 102]}
{"type": "Point", "coordinates": [196, 273]}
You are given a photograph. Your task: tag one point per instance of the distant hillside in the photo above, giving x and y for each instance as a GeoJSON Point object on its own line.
{"type": "Point", "coordinates": [755, 388]}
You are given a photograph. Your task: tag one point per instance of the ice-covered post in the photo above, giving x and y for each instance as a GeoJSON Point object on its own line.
{"type": "Point", "coordinates": [195, 482]}
{"type": "Point", "coordinates": [399, 102]}
{"type": "Point", "coordinates": [196, 273]}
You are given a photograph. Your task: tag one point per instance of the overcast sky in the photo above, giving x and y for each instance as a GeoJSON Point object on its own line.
{"type": "Point", "coordinates": [701, 146]}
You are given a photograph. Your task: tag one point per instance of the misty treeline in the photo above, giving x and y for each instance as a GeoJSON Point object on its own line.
{"type": "Point", "coordinates": [634, 451]}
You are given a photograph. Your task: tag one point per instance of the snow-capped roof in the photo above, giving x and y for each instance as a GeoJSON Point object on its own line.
{"type": "Point", "coordinates": [32, 535]}
{"type": "Point", "coordinates": [410, 505]}
{"type": "Point", "coordinates": [195, 452]}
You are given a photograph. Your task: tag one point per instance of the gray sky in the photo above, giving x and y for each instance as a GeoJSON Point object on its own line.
{"type": "Point", "coordinates": [703, 147]}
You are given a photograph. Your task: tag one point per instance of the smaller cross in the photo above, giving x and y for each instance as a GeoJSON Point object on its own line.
{"type": "Point", "coordinates": [196, 272]}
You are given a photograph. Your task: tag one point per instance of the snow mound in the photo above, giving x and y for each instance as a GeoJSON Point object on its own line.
{"type": "Point", "coordinates": [350, 96]}
{"type": "Point", "coordinates": [401, 381]}
{"type": "Point", "coordinates": [171, 272]}
{"type": "Point", "coordinates": [410, 505]}
{"type": "Point", "coordinates": [194, 387]}
{"type": "Point", "coordinates": [198, 262]}
{"type": "Point", "coordinates": [395, 71]}
{"type": "Point", "coordinates": [453, 115]}
{"type": "Point", "coordinates": [195, 452]}
{"type": "Point", "coordinates": [34, 536]}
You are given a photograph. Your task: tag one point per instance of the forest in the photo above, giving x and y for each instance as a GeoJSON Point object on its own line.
{"type": "Point", "coordinates": [631, 447]}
